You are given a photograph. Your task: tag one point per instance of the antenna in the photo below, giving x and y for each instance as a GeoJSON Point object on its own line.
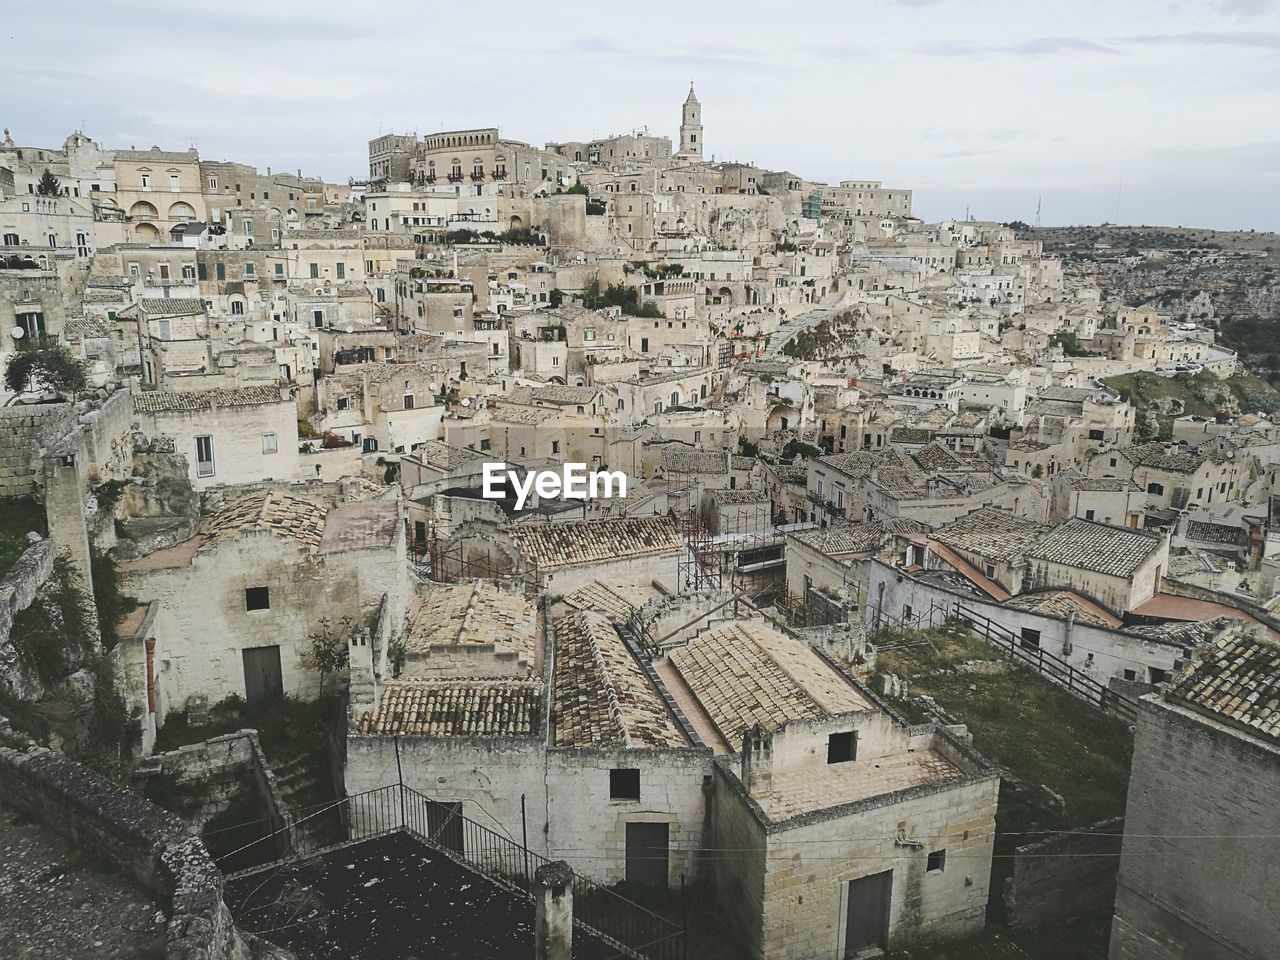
{"type": "Point", "coordinates": [1038, 201]}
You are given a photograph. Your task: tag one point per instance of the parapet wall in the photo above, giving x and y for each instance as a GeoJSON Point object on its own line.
{"type": "Point", "coordinates": [148, 845]}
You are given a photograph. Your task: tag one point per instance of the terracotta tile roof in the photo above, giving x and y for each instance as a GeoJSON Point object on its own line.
{"type": "Point", "coordinates": [553, 545]}
{"type": "Point", "coordinates": [444, 456]}
{"type": "Point", "coordinates": [740, 495]}
{"type": "Point", "coordinates": [287, 516]}
{"type": "Point", "coordinates": [1061, 604]}
{"type": "Point", "coordinates": [1154, 455]}
{"type": "Point", "coordinates": [180, 401]}
{"type": "Point", "coordinates": [992, 534]}
{"type": "Point", "coordinates": [858, 537]}
{"type": "Point", "coordinates": [602, 697]}
{"type": "Point", "coordinates": [172, 308]}
{"type": "Point", "coordinates": [612, 601]}
{"type": "Point", "coordinates": [1236, 678]}
{"type": "Point", "coordinates": [686, 460]}
{"type": "Point", "coordinates": [746, 673]}
{"type": "Point", "coordinates": [456, 708]}
{"type": "Point", "coordinates": [560, 394]}
{"type": "Point", "coordinates": [1115, 551]}
{"type": "Point", "coordinates": [1207, 532]}
{"type": "Point", "coordinates": [477, 612]}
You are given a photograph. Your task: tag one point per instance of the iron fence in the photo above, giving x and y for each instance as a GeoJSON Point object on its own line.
{"type": "Point", "coordinates": [634, 930]}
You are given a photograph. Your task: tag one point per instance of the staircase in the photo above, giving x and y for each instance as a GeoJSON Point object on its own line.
{"type": "Point", "coordinates": [803, 321]}
{"type": "Point", "coordinates": [306, 790]}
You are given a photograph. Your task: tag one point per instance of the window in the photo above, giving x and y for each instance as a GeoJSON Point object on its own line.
{"type": "Point", "coordinates": [135, 271]}
{"type": "Point", "coordinates": [257, 598]}
{"type": "Point", "coordinates": [188, 271]}
{"type": "Point", "coordinates": [279, 269]}
{"type": "Point", "coordinates": [237, 307]}
{"type": "Point", "coordinates": [1088, 514]}
{"type": "Point", "coordinates": [842, 747]}
{"type": "Point", "coordinates": [269, 443]}
{"type": "Point", "coordinates": [937, 862]}
{"type": "Point", "coordinates": [162, 329]}
{"type": "Point", "coordinates": [341, 271]}
{"type": "Point", "coordinates": [204, 456]}
{"type": "Point", "coordinates": [1030, 639]}
{"type": "Point", "coordinates": [220, 270]}
{"type": "Point", "coordinates": [1156, 488]}
{"type": "Point", "coordinates": [249, 270]}
{"type": "Point", "coordinates": [315, 271]}
{"type": "Point", "coordinates": [555, 446]}
{"type": "Point", "coordinates": [624, 784]}
{"type": "Point", "coordinates": [1095, 435]}
{"type": "Point", "coordinates": [343, 403]}
{"type": "Point", "coordinates": [1130, 675]}
{"type": "Point", "coordinates": [173, 183]}
{"type": "Point", "coordinates": [146, 181]}
{"type": "Point", "coordinates": [213, 183]}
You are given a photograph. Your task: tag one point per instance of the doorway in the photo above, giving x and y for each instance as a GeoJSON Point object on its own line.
{"type": "Point", "coordinates": [648, 853]}
{"type": "Point", "coordinates": [867, 920]}
{"type": "Point", "coordinates": [262, 679]}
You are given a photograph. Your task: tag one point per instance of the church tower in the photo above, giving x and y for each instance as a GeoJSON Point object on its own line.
{"type": "Point", "coordinates": [691, 128]}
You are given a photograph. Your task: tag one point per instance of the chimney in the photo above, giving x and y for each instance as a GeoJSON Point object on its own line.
{"type": "Point", "coordinates": [553, 919]}
{"type": "Point", "coordinates": [363, 689]}
{"type": "Point", "coordinates": [757, 760]}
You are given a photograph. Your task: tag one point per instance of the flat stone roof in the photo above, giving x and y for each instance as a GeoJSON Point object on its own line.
{"type": "Point", "coordinates": [812, 788]}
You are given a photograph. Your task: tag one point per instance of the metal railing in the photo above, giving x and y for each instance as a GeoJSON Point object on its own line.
{"type": "Point", "coordinates": [634, 930]}
{"type": "Point", "coordinates": [1053, 668]}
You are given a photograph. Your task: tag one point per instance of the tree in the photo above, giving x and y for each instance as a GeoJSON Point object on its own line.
{"type": "Point", "coordinates": [49, 185]}
{"type": "Point", "coordinates": [44, 363]}
{"type": "Point", "coordinates": [326, 650]}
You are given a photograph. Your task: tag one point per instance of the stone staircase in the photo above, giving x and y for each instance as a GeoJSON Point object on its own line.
{"type": "Point", "coordinates": [802, 321]}
{"type": "Point", "coordinates": [305, 789]}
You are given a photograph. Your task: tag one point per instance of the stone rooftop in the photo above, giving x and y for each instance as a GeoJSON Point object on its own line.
{"type": "Point", "coordinates": [456, 708]}
{"type": "Point", "coordinates": [679, 459]}
{"type": "Point", "coordinates": [992, 534]}
{"type": "Point", "coordinates": [367, 525]}
{"type": "Point", "coordinates": [191, 401]}
{"type": "Point", "coordinates": [1155, 456]}
{"type": "Point", "coordinates": [858, 537]}
{"type": "Point", "coordinates": [1115, 551]}
{"type": "Point", "coordinates": [550, 546]}
{"type": "Point", "coordinates": [476, 612]}
{"type": "Point", "coordinates": [803, 791]}
{"type": "Point", "coordinates": [1235, 679]}
{"type": "Point", "coordinates": [744, 673]}
{"type": "Point", "coordinates": [615, 601]}
{"type": "Point", "coordinates": [175, 307]}
{"type": "Point", "coordinates": [293, 518]}
{"type": "Point", "coordinates": [601, 695]}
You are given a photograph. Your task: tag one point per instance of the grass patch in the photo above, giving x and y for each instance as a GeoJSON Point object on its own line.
{"type": "Point", "coordinates": [18, 517]}
{"type": "Point", "coordinates": [1037, 733]}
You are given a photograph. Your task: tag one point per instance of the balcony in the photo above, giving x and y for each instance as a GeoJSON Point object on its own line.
{"type": "Point", "coordinates": [500, 173]}
{"type": "Point", "coordinates": [430, 177]}
{"type": "Point", "coordinates": [477, 175]}
{"type": "Point", "coordinates": [455, 177]}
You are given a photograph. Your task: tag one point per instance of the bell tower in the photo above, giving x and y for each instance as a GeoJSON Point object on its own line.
{"type": "Point", "coordinates": [691, 127]}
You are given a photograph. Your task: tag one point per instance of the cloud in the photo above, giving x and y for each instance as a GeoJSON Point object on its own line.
{"type": "Point", "coordinates": [1206, 38]}
{"type": "Point", "coordinates": [1033, 46]}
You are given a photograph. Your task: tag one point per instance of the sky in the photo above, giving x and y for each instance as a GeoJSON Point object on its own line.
{"type": "Point", "coordinates": [1126, 111]}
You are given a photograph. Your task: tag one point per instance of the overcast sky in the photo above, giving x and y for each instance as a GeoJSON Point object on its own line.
{"type": "Point", "coordinates": [1127, 110]}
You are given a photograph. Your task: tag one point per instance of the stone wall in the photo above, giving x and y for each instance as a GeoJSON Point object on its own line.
{"type": "Point", "coordinates": [211, 773]}
{"type": "Point", "coordinates": [18, 591]}
{"type": "Point", "coordinates": [1067, 875]}
{"type": "Point", "coordinates": [24, 430]}
{"type": "Point", "coordinates": [1197, 870]}
{"type": "Point", "coordinates": [150, 847]}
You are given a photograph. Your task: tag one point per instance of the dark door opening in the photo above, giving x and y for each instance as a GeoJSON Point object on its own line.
{"type": "Point", "coordinates": [867, 922]}
{"type": "Point", "coordinates": [444, 825]}
{"type": "Point", "coordinates": [647, 853]}
{"type": "Point", "coordinates": [262, 680]}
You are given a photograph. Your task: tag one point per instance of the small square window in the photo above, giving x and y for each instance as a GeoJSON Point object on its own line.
{"type": "Point", "coordinates": [269, 443]}
{"type": "Point", "coordinates": [257, 598]}
{"type": "Point", "coordinates": [624, 784]}
{"type": "Point", "coordinates": [842, 747]}
{"type": "Point", "coordinates": [937, 862]}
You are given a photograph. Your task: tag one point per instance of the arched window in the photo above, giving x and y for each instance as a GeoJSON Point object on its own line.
{"type": "Point", "coordinates": [237, 307]}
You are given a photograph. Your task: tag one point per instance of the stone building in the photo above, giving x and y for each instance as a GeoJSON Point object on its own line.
{"type": "Point", "coordinates": [1196, 870]}
{"type": "Point", "coordinates": [235, 604]}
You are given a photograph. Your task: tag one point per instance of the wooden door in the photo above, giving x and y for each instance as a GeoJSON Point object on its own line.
{"type": "Point", "coordinates": [262, 680]}
{"type": "Point", "coordinates": [648, 853]}
{"type": "Point", "coordinates": [867, 921]}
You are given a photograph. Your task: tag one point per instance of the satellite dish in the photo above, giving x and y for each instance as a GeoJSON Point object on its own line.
{"type": "Point", "coordinates": [466, 401]}
{"type": "Point", "coordinates": [17, 333]}
{"type": "Point", "coordinates": [350, 328]}
{"type": "Point", "coordinates": [435, 387]}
